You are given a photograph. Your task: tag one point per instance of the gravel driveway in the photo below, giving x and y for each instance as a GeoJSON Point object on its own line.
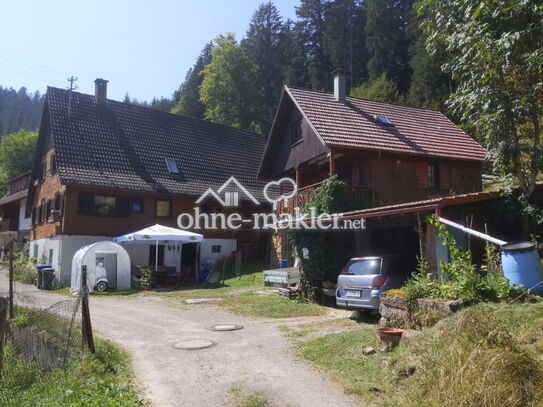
{"type": "Point", "coordinates": [255, 358]}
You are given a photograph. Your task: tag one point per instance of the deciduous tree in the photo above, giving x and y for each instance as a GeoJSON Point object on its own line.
{"type": "Point", "coordinates": [16, 154]}
{"type": "Point", "coordinates": [227, 89]}
{"type": "Point", "coordinates": [496, 57]}
{"type": "Point", "coordinates": [380, 88]}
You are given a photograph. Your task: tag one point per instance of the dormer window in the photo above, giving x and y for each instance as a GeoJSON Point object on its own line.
{"type": "Point", "coordinates": [383, 120]}
{"type": "Point", "coordinates": [172, 166]}
{"type": "Point", "coordinates": [296, 131]}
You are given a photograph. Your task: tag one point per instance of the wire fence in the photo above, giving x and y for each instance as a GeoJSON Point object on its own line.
{"type": "Point", "coordinates": [46, 332]}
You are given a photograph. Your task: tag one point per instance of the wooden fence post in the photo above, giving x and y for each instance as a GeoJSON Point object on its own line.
{"type": "Point", "coordinates": [85, 313]}
{"type": "Point", "coordinates": [3, 323]}
{"type": "Point", "coordinates": [11, 314]}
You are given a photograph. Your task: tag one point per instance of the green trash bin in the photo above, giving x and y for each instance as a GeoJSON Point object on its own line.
{"type": "Point", "coordinates": [48, 276]}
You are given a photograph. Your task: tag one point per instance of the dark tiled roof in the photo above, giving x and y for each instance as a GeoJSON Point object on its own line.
{"type": "Point", "coordinates": [414, 131]}
{"type": "Point", "coordinates": [14, 197]}
{"type": "Point", "coordinates": [123, 146]}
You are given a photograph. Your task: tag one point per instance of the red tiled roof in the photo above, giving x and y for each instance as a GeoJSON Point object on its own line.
{"type": "Point", "coordinates": [427, 204]}
{"type": "Point", "coordinates": [414, 131]}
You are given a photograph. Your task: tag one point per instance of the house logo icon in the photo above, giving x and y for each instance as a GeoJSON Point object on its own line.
{"type": "Point", "coordinates": [231, 197]}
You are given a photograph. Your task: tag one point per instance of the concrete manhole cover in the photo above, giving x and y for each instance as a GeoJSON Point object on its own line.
{"type": "Point", "coordinates": [201, 300]}
{"type": "Point", "coordinates": [226, 327]}
{"type": "Point", "coordinates": [194, 344]}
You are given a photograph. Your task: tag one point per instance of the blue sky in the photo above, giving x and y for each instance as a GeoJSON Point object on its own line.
{"type": "Point", "coordinates": [142, 47]}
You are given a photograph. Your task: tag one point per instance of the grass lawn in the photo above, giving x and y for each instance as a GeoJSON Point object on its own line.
{"type": "Point", "coordinates": [484, 356]}
{"type": "Point", "coordinates": [100, 380]}
{"type": "Point", "coordinates": [242, 398]}
{"type": "Point", "coordinates": [269, 306]}
{"type": "Point", "coordinates": [239, 295]}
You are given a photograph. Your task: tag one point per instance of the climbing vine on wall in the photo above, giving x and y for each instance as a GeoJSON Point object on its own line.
{"type": "Point", "coordinates": [313, 246]}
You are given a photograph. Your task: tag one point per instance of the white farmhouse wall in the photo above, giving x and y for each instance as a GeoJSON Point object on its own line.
{"type": "Point", "coordinates": [24, 223]}
{"type": "Point", "coordinates": [59, 252]}
{"type": "Point", "coordinates": [227, 247]}
{"type": "Point", "coordinates": [47, 251]}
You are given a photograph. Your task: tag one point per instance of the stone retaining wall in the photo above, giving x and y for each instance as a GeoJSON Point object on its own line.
{"type": "Point", "coordinates": [396, 311]}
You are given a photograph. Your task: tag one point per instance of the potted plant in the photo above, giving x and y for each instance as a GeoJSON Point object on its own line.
{"type": "Point", "coordinates": [145, 278]}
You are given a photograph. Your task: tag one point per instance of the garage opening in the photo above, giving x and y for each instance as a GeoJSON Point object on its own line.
{"type": "Point", "coordinates": [388, 237]}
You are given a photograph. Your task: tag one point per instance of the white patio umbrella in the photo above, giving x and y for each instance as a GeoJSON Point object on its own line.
{"type": "Point", "coordinates": [157, 233]}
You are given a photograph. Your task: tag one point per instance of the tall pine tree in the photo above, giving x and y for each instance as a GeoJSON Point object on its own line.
{"type": "Point", "coordinates": [264, 45]}
{"type": "Point", "coordinates": [19, 109]}
{"type": "Point", "coordinates": [296, 71]}
{"type": "Point", "coordinates": [312, 19]}
{"type": "Point", "coordinates": [430, 85]}
{"type": "Point", "coordinates": [188, 96]}
{"type": "Point", "coordinates": [345, 38]}
{"type": "Point", "coordinates": [387, 40]}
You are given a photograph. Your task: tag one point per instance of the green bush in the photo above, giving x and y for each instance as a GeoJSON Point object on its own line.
{"type": "Point", "coordinates": [25, 273]}
{"type": "Point", "coordinates": [146, 276]}
{"type": "Point", "coordinates": [462, 280]}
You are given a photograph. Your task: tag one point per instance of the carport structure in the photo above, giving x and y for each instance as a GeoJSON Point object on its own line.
{"type": "Point", "coordinates": [402, 228]}
{"type": "Point", "coordinates": [403, 225]}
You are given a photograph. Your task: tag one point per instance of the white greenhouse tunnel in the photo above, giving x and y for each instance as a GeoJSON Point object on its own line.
{"type": "Point", "coordinates": [109, 255]}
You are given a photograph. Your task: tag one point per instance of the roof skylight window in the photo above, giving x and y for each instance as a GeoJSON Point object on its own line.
{"type": "Point", "coordinates": [383, 120]}
{"type": "Point", "coordinates": [172, 166]}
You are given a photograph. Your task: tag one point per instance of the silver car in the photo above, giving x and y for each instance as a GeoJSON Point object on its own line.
{"type": "Point", "coordinates": [363, 279]}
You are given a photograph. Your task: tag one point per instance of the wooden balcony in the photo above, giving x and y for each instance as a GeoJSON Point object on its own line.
{"type": "Point", "coordinates": [9, 225]}
{"type": "Point", "coordinates": [359, 197]}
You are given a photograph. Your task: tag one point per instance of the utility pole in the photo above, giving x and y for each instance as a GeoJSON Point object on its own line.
{"type": "Point", "coordinates": [72, 79]}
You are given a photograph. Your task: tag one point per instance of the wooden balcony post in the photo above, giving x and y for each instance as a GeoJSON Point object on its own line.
{"type": "Point", "coordinates": [297, 177]}
{"type": "Point", "coordinates": [332, 162]}
{"type": "Point", "coordinates": [355, 177]}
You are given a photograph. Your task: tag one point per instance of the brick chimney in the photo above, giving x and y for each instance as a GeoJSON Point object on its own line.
{"type": "Point", "coordinates": [339, 85]}
{"type": "Point", "coordinates": [100, 90]}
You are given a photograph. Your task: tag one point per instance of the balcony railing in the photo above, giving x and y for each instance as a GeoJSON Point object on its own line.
{"type": "Point", "coordinates": [9, 225]}
{"type": "Point", "coordinates": [357, 196]}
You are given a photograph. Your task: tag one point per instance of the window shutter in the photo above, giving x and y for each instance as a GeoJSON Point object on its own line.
{"type": "Point", "coordinates": [84, 204]}
{"type": "Point", "coordinates": [61, 203]}
{"type": "Point", "coordinates": [122, 206]}
{"type": "Point", "coordinates": [422, 174]}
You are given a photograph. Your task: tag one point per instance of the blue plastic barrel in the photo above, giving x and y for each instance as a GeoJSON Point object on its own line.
{"type": "Point", "coordinates": [283, 264]}
{"type": "Point", "coordinates": [521, 265]}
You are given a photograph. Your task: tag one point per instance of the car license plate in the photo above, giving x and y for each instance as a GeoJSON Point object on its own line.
{"type": "Point", "coordinates": [352, 293]}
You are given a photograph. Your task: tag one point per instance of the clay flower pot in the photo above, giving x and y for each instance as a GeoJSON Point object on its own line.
{"type": "Point", "coordinates": [388, 338]}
